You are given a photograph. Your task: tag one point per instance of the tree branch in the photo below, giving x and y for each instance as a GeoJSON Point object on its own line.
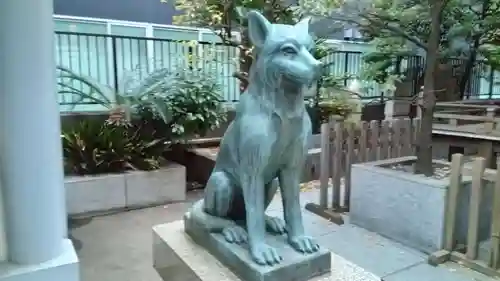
{"type": "Point", "coordinates": [375, 21]}
{"type": "Point", "coordinates": [395, 30]}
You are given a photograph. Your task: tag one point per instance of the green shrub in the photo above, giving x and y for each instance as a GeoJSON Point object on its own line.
{"type": "Point", "coordinates": [93, 147]}
{"type": "Point", "coordinates": [180, 103]}
{"type": "Point", "coordinates": [334, 102]}
{"type": "Point", "coordinates": [148, 92]}
{"type": "Point", "coordinates": [195, 104]}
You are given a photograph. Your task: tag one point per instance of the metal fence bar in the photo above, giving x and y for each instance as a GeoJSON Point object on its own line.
{"type": "Point", "coordinates": [107, 58]}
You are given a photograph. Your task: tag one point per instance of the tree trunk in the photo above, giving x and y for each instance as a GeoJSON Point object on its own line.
{"type": "Point", "coordinates": [424, 143]}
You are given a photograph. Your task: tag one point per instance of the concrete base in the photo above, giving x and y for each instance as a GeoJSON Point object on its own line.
{"type": "Point", "coordinates": [63, 268]}
{"type": "Point", "coordinates": [410, 208]}
{"type": "Point", "coordinates": [295, 266]}
{"type": "Point", "coordinates": [178, 258]}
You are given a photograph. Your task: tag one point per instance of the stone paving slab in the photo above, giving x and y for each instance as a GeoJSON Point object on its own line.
{"type": "Point", "coordinates": [425, 272]}
{"type": "Point", "coordinates": [370, 251]}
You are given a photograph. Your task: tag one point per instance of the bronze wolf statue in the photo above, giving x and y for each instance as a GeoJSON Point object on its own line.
{"type": "Point", "coordinates": [266, 144]}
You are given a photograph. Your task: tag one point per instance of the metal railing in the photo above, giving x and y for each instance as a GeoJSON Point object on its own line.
{"type": "Point", "coordinates": [109, 59]}
{"type": "Point", "coordinates": [112, 59]}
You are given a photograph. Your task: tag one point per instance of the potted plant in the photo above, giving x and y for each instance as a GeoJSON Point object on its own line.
{"type": "Point", "coordinates": [113, 165]}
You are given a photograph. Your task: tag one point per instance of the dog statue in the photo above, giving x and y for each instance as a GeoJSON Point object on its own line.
{"type": "Point", "coordinates": [266, 144]}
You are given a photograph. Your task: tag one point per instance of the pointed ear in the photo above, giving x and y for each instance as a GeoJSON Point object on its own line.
{"type": "Point", "coordinates": [258, 28]}
{"type": "Point", "coordinates": [303, 25]}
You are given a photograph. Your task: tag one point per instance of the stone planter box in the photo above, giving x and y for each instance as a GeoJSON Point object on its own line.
{"type": "Point", "coordinates": [93, 194]}
{"type": "Point", "coordinates": [410, 208]}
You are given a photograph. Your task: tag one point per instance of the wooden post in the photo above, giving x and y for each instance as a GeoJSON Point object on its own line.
{"type": "Point", "coordinates": [374, 140]}
{"type": "Point", "coordinates": [453, 122]}
{"type": "Point", "coordinates": [452, 193]}
{"type": "Point", "coordinates": [396, 138]}
{"type": "Point", "coordinates": [337, 163]}
{"type": "Point", "coordinates": [414, 137]}
{"type": "Point", "coordinates": [474, 207]}
{"type": "Point", "coordinates": [490, 125]}
{"type": "Point", "coordinates": [485, 150]}
{"type": "Point", "coordinates": [363, 155]}
{"type": "Point", "coordinates": [349, 157]}
{"type": "Point", "coordinates": [384, 140]}
{"type": "Point", "coordinates": [494, 261]}
{"type": "Point", "coordinates": [324, 175]}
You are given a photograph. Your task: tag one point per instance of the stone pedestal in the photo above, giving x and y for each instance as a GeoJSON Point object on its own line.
{"type": "Point", "coordinates": [177, 257]}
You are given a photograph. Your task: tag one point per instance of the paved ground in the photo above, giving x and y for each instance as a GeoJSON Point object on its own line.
{"type": "Point", "coordinates": [118, 247]}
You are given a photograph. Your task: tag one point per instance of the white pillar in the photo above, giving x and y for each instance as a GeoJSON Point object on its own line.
{"type": "Point", "coordinates": [3, 240]}
{"type": "Point", "coordinates": [30, 145]}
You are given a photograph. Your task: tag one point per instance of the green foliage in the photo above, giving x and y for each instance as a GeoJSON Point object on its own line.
{"type": "Point", "coordinates": [322, 48]}
{"type": "Point", "coordinates": [94, 147]}
{"type": "Point", "coordinates": [338, 102]}
{"type": "Point", "coordinates": [226, 18]}
{"type": "Point", "coordinates": [195, 103]}
{"type": "Point", "coordinates": [399, 29]}
{"type": "Point", "coordinates": [149, 92]}
{"type": "Point", "coordinates": [492, 55]}
{"type": "Point", "coordinates": [179, 103]}
{"type": "Point", "coordinates": [402, 29]}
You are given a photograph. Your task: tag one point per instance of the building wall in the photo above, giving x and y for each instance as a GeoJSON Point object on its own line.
{"type": "Point", "coordinates": [152, 11]}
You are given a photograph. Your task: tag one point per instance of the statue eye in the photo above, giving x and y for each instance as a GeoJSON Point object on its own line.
{"type": "Point", "coordinates": [289, 50]}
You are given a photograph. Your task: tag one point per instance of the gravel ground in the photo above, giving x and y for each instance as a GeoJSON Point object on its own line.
{"type": "Point", "coordinates": [440, 171]}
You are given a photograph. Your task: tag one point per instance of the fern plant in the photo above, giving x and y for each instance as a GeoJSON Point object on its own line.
{"type": "Point", "coordinates": [149, 92]}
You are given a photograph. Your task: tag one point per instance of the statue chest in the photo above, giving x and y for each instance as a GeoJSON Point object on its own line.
{"type": "Point", "coordinates": [289, 140]}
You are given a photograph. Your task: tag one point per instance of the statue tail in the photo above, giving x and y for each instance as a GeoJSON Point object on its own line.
{"type": "Point", "coordinates": [197, 216]}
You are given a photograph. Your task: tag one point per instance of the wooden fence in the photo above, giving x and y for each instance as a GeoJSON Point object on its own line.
{"type": "Point", "coordinates": [344, 144]}
{"type": "Point", "coordinates": [480, 119]}
{"type": "Point", "coordinates": [468, 254]}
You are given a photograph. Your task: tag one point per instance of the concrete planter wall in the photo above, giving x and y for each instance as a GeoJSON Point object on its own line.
{"type": "Point", "coordinates": [409, 208]}
{"type": "Point", "coordinates": [89, 194]}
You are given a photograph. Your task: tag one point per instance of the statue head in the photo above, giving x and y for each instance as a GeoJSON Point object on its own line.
{"type": "Point", "coordinates": [283, 52]}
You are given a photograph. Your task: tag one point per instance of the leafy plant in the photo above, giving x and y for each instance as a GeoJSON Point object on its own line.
{"type": "Point", "coordinates": [227, 18]}
{"type": "Point", "coordinates": [339, 102]}
{"type": "Point", "coordinates": [149, 92]}
{"type": "Point", "coordinates": [195, 103]}
{"type": "Point", "coordinates": [94, 147]}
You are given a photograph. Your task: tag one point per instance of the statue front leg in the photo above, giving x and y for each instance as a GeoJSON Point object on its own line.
{"type": "Point", "coordinates": [254, 196]}
{"type": "Point", "coordinates": [290, 191]}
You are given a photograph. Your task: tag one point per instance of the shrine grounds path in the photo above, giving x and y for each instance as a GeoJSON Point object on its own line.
{"type": "Point", "coordinates": [118, 247]}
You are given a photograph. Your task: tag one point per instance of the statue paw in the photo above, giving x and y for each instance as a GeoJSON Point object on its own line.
{"type": "Point", "coordinates": [303, 244]}
{"type": "Point", "coordinates": [235, 234]}
{"type": "Point", "coordinates": [275, 225]}
{"type": "Point", "coordinates": [264, 254]}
